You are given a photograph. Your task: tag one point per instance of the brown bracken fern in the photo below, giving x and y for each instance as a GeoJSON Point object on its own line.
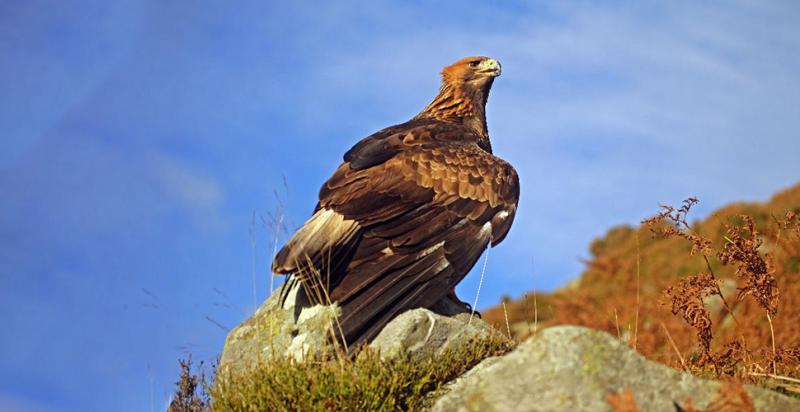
{"type": "Point", "coordinates": [741, 294]}
{"type": "Point", "coordinates": [687, 300]}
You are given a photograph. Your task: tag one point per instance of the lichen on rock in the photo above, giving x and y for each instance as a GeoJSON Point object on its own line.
{"type": "Point", "coordinates": [571, 368]}
{"type": "Point", "coordinates": [423, 333]}
{"type": "Point", "coordinates": [275, 330]}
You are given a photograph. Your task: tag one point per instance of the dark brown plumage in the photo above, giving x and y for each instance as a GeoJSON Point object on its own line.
{"type": "Point", "coordinates": [409, 211]}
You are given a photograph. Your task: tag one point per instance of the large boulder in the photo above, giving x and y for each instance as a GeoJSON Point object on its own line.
{"type": "Point", "coordinates": [297, 330]}
{"type": "Point", "coordinates": [570, 368]}
{"type": "Point", "coordinates": [422, 333]}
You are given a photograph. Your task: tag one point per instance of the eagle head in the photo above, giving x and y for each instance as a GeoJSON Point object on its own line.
{"type": "Point", "coordinates": [463, 94]}
{"type": "Point", "coordinates": [472, 70]}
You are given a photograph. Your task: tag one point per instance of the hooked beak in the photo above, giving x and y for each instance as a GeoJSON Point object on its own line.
{"type": "Point", "coordinates": [489, 67]}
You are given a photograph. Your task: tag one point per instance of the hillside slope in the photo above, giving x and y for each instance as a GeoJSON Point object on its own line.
{"type": "Point", "coordinates": [707, 338]}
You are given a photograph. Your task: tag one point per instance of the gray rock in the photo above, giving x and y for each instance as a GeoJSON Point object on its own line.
{"type": "Point", "coordinates": [286, 331]}
{"type": "Point", "coordinates": [421, 333]}
{"type": "Point", "coordinates": [289, 331]}
{"type": "Point", "coordinates": [570, 368]}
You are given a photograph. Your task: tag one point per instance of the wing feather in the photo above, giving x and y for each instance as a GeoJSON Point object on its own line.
{"type": "Point", "coordinates": [424, 202]}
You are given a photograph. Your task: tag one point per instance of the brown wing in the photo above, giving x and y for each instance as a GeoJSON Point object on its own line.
{"type": "Point", "coordinates": [427, 214]}
{"type": "Point", "coordinates": [405, 229]}
{"type": "Point", "coordinates": [327, 238]}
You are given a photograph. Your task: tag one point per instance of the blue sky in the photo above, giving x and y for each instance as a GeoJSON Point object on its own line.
{"type": "Point", "coordinates": [140, 139]}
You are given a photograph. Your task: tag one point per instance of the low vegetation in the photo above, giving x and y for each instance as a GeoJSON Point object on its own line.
{"type": "Point", "coordinates": [189, 393]}
{"type": "Point", "coordinates": [333, 383]}
{"type": "Point", "coordinates": [717, 298]}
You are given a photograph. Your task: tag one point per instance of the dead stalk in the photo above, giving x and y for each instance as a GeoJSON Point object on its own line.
{"type": "Point", "coordinates": [774, 376]}
{"type": "Point", "coordinates": [527, 314]}
{"type": "Point", "coordinates": [674, 346]}
{"type": "Point", "coordinates": [774, 352]}
{"type": "Point", "coordinates": [505, 313]}
{"type": "Point", "coordinates": [275, 245]}
{"type": "Point", "coordinates": [535, 313]}
{"type": "Point", "coordinates": [638, 287]}
{"type": "Point", "coordinates": [253, 259]}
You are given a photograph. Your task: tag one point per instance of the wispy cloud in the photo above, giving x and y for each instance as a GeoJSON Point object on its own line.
{"type": "Point", "coordinates": [13, 403]}
{"type": "Point", "coordinates": [198, 194]}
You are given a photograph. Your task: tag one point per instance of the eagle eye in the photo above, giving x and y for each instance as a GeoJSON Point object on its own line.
{"type": "Point", "coordinates": [474, 63]}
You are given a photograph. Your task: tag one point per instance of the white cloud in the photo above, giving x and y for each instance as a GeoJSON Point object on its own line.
{"type": "Point", "coordinates": [12, 403]}
{"type": "Point", "coordinates": [201, 195]}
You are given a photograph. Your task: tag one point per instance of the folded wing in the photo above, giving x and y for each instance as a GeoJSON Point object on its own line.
{"type": "Point", "coordinates": [399, 232]}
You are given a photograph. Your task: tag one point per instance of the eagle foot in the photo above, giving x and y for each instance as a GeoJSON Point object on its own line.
{"type": "Point", "coordinates": [451, 305]}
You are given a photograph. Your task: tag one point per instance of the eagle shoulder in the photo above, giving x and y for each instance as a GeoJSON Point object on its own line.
{"type": "Point", "coordinates": [384, 144]}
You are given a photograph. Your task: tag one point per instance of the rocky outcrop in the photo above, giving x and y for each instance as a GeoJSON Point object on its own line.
{"type": "Point", "coordinates": [565, 368]}
{"type": "Point", "coordinates": [294, 330]}
{"type": "Point", "coordinates": [570, 368]}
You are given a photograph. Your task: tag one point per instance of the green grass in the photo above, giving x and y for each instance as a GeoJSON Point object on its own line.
{"type": "Point", "coordinates": [336, 384]}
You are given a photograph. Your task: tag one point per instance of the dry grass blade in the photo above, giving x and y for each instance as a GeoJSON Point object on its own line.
{"type": "Point", "coordinates": [778, 377]}
{"type": "Point", "coordinates": [674, 346]}
{"type": "Point", "coordinates": [638, 289]}
{"type": "Point", "coordinates": [508, 327]}
{"type": "Point", "coordinates": [793, 387]}
{"type": "Point", "coordinates": [535, 313]}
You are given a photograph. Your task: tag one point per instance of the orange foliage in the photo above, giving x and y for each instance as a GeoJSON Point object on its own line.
{"type": "Point", "coordinates": [720, 289]}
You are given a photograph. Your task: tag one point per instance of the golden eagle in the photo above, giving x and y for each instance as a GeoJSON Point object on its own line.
{"type": "Point", "coordinates": [409, 211]}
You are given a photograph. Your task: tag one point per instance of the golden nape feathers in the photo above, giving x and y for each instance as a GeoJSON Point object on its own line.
{"type": "Point", "coordinates": [463, 94]}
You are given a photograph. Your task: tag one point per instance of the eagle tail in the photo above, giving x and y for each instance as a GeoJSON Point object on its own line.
{"type": "Point", "coordinates": [320, 248]}
{"type": "Point", "coordinates": [408, 282]}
